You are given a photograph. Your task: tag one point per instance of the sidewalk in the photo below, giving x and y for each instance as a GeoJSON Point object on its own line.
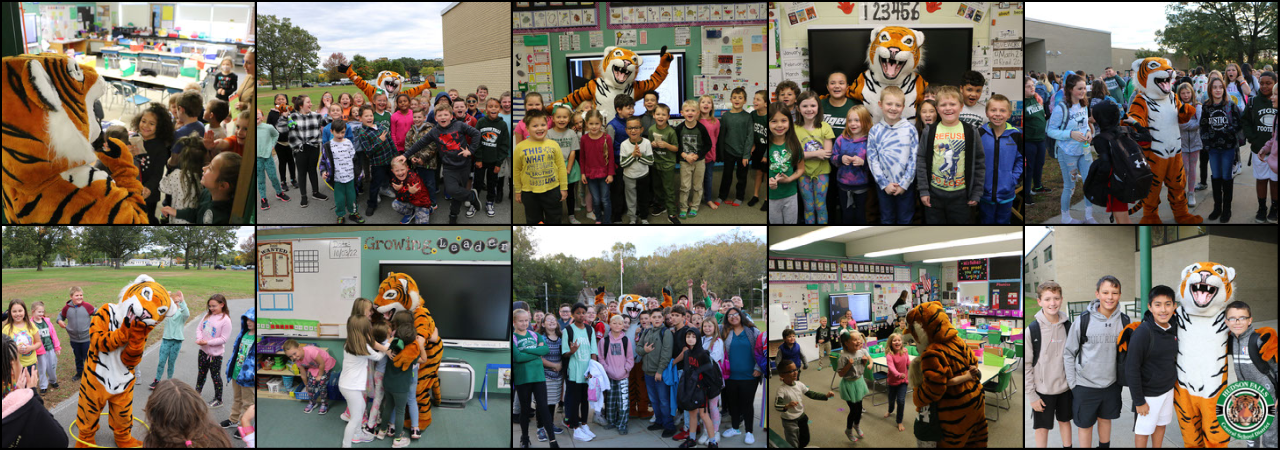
{"type": "Point", "coordinates": [1244, 203]}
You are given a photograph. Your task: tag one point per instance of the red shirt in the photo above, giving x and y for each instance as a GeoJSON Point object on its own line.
{"type": "Point", "coordinates": [421, 199]}
{"type": "Point", "coordinates": [236, 146]}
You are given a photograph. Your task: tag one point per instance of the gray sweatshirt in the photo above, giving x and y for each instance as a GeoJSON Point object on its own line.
{"type": "Point", "coordinates": [1246, 371]}
{"type": "Point", "coordinates": [1097, 366]}
{"type": "Point", "coordinates": [1047, 376]}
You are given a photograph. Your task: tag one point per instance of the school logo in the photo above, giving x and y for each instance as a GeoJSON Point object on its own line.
{"type": "Point", "coordinates": [1246, 410]}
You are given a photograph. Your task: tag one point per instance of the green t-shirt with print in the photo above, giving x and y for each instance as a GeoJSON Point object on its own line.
{"type": "Point", "coordinates": [780, 163]}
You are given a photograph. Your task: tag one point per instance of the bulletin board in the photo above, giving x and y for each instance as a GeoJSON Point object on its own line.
{"type": "Point", "coordinates": [800, 302]}
{"type": "Point", "coordinates": [58, 22]}
{"type": "Point", "coordinates": [531, 65]}
{"type": "Point", "coordinates": [731, 57]}
{"type": "Point", "coordinates": [325, 280]}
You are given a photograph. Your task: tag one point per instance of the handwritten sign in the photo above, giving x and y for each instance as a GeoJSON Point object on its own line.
{"type": "Point", "coordinates": [1006, 58]}
{"type": "Point", "coordinates": [895, 12]}
{"type": "Point", "coordinates": [275, 266]}
{"type": "Point", "coordinates": [972, 269]}
{"type": "Point", "coordinates": [343, 249]}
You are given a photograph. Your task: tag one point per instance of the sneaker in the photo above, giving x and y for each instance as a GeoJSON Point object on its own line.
{"type": "Point", "coordinates": [587, 430]}
{"type": "Point", "coordinates": [858, 430]}
{"type": "Point", "coordinates": [369, 210]}
{"type": "Point", "coordinates": [848, 433]}
{"type": "Point", "coordinates": [295, 184]}
{"type": "Point", "coordinates": [215, 403]}
{"type": "Point", "coordinates": [644, 221]}
{"type": "Point", "coordinates": [1201, 186]}
{"type": "Point", "coordinates": [753, 201]}
{"type": "Point", "coordinates": [324, 409]}
{"type": "Point", "coordinates": [53, 385]}
{"type": "Point", "coordinates": [229, 424]}
{"type": "Point", "coordinates": [386, 192]}
{"type": "Point", "coordinates": [731, 432]}
{"type": "Point", "coordinates": [1271, 217]}
{"type": "Point", "coordinates": [713, 444]}
{"type": "Point", "coordinates": [668, 433]}
{"type": "Point", "coordinates": [319, 196]}
{"type": "Point", "coordinates": [684, 214]}
{"type": "Point", "coordinates": [681, 436]}
{"type": "Point", "coordinates": [658, 212]}
{"type": "Point", "coordinates": [633, 220]}
{"type": "Point", "coordinates": [750, 439]}
{"type": "Point", "coordinates": [1029, 201]}
{"type": "Point", "coordinates": [1262, 215]}
{"type": "Point", "coordinates": [471, 210]}
{"type": "Point", "coordinates": [702, 438]}
{"type": "Point", "coordinates": [1041, 190]}
{"type": "Point", "coordinates": [674, 220]}
{"type": "Point", "coordinates": [579, 435]}
{"type": "Point", "coordinates": [262, 204]}
{"type": "Point", "coordinates": [654, 427]}
{"type": "Point", "coordinates": [416, 434]}
{"type": "Point", "coordinates": [361, 437]}
{"type": "Point", "coordinates": [236, 434]}
{"type": "Point", "coordinates": [688, 443]}
{"type": "Point", "coordinates": [346, 416]}
{"type": "Point", "coordinates": [488, 209]}
{"type": "Point", "coordinates": [557, 430]}
{"type": "Point", "coordinates": [764, 206]}
{"type": "Point", "coordinates": [574, 220]}
{"type": "Point", "coordinates": [405, 219]}
{"type": "Point", "coordinates": [654, 419]}
{"type": "Point", "coordinates": [382, 434]}
{"type": "Point", "coordinates": [44, 391]}
{"type": "Point", "coordinates": [153, 385]}
{"type": "Point", "coordinates": [1239, 168]}
{"type": "Point", "coordinates": [542, 435]}
{"type": "Point", "coordinates": [342, 220]}
{"type": "Point", "coordinates": [309, 408]}
{"type": "Point", "coordinates": [453, 219]}
{"type": "Point", "coordinates": [591, 215]}
{"type": "Point", "coordinates": [1067, 220]}
{"type": "Point", "coordinates": [282, 196]}
{"type": "Point", "coordinates": [400, 442]}
{"type": "Point", "coordinates": [303, 203]}
{"type": "Point", "coordinates": [1191, 199]}
{"type": "Point", "coordinates": [693, 213]}
{"type": "Point", "coordinates": [1090, 220]}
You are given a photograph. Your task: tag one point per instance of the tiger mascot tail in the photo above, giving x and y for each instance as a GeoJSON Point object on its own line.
{"type": "Point", "coordinates": [620, 67]}
{"type": "Point", "coordinates": [1155, 114]}
{"type": "Point", "coordinates": [52, 140]}
{"type": "Point", "coordinates": [666, 298]}
{"type": "Point", "coordinates": [398, 292]}
{"type": "Point", "coordinates": [117, 336]}
{"type": "Point", "coordinates": [943, 356]}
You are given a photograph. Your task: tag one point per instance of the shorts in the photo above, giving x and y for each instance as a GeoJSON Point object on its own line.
{"type": "Point", "coordinates": [1160, 414]}
{"type": "Point", "coordinates": [1057, 408]}
{"type": "Point", "coordinates": [1262, 171]}
{"type": "Point", "coordinates": [1090, 404]}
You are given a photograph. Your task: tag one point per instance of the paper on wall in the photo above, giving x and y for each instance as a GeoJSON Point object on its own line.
{"type": "Point", "coordinates": [682, 37]}
{"type": "Point", "coordinates": [1006, 58]}
{"type": "Point", "coordinates": [596, 39]}
{"type": "Point", "coordinates": [1009, 34]}
{"type": "Point", "coordinates": [795, 66]}
{"type": "Point", "coordinates": [626, 38]}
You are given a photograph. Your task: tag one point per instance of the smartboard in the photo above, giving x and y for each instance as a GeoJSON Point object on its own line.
{"type": "Point", "coordinates": [857, 302]}
{"type": "Point", "coordinates": [325, 281]}
{"type": "Point", "coordinates": [582, 68]}
{"type": "Point", "coordinates": [1005, 268]}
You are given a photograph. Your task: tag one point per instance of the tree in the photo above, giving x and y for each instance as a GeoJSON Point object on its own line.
{"type": "Point", "coordinates": [116, 242]}
{"type": "Point", "coordinates": [361, 65]}
{"type": "Point", "coordinates": [1144, 53]}
{"type": "Point", "coordinates": [213, 241]}
{"type": "Point", "coordinates": [248, 248]}
{"type": "Point", "coordinates": [1213, 33]}
{"type": "Point", "coordinates": [39, 244]}
{"type": "Point", "coordinates": [284, 51]}
{"type": "Point", "coordinates": [331, 64]}
{"type": "Point", "coordinates": [182, 240]}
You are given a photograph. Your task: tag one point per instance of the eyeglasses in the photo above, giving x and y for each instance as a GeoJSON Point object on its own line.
{"type": "Point", "coordinates": [1237, 319]}
{"type": "Point", "coordinates": [471, 101]}
{"type": "Point", "coordinates": [635, 128]}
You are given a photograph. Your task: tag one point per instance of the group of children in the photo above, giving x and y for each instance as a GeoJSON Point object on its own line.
{"type": "Point", "coordinates": [1073, 374]}
{"type": "Point", "coordinates": [455, 146]}
{"type": "Point", "coordinates": [175, 410]}
{"type": "Point", "coordinates": [958, 153]}
{"type": "Point", "coordinates": [677, 361]}
{"type": "Point", "coordinates": [191, 152]}
{"type": "Point", "coordinates": [635, 158]}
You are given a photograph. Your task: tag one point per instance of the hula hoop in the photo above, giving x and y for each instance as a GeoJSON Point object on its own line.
{"type": "Point", "coordinates": [77, 438]}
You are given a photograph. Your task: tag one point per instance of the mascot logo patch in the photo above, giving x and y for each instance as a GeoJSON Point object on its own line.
{"type": "Point", "coordinates": [1246, 410]}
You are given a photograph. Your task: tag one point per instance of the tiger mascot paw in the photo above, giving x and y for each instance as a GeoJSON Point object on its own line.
{"type": "Point", "coordinates": [943, 356]}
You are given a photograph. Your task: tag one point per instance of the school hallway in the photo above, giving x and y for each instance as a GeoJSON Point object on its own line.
{"type": "Point", "coordinates": [145, 373]}
{"type": "Point", "coordinates": [1244, 203]}
{"type": "Point", "coordinates": [1122, 428]}
{"type": "Point", "coordinates": [471, 426]}
{"type": "Point", "coordinates": [827, 419]}
{"type": "Point", "coordinates": [638, 435]}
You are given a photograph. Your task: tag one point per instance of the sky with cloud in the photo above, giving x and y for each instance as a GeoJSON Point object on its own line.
{"type": "Point", "coordinates": [1132, 24]}
{"type": "Point", "coordinates": [391, 30]}
{"type": "Point", "coordinates": [588, 242]}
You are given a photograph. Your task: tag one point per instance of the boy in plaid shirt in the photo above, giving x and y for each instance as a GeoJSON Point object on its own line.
{"type": "Point", "coordinates": [380, 149]}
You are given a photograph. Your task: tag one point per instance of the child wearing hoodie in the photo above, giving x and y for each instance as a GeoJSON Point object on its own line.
{"type": "Point", "coordinates": [852, 177]}
{"type": "Point", "coordinates": [26, 419]}
{"type": "Point", "coordinates": [1107, 115]}
{"type": "Point", "coordinates": [1244, 345]}
{"type": "Point", "coordinates": [240, 371]}
{"type": "Point", "coordinates": [47, 353]}
{"type": "Point", "coordinates": [619, 356]}
{"type": "Point", "coordinates": [458, 141]}
{"type": "Point", "coordinates": [211, 336]}
{"type": "Point", "coordinates": [1047, 391]}
{"type": "Point", "coordinates": [952, 162]}
{"type": "Point", "coordinates": [701, 372]}
{"type": "Point", "coordinates": [495, 146]}
{"type": "Point", "coordinates": [1089, 360]}
{"type": "Point", "coordinates": [1190, 137]}
{"type": "Point", "coordinates": [1004, 164]}
{"type": "Point", "coordinates": [1150, 368]}
{"type": "Point", "coordinates": [1257, 130]}
{"type": "Point", "coordinates": [892, 148]}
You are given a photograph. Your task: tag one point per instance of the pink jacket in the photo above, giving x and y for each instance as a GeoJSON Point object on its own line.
{"type": "Point", "coordinates": [216, 330]}
{"type": "Point", "coordinates": [617, 361]}
{"type": "Point", "coordinates": [53, 333]}
{"type": "Point", "coordinates": [897, 368]}
{"type": "Point", "coordinates": [401, 123]}
{"type": "Point", "coordinates": [713, 129]}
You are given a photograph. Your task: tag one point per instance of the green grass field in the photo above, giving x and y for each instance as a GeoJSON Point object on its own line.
{"type": "Point", "coordinates": [266, 97]}
{"type": "Point", "coordinates": [102, 285]}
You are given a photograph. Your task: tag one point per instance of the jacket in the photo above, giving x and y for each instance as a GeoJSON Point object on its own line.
{"type": "Point", "coordinates": [1097, 365]}
{"type": "Point", "coordinates": [1245, 370]}
{"type": "Point", "coordinates": [495, 140]}
{"type": "Point", "coordinates": [452, 139]}
{"type": "Point", "coordinates": [1047, 376]}
{"type": "Point", "coordinates": [685, 138]}
{"type": "Point", "coordinates": [175, 327]}
{"type": "Point", "coordinates": [27, 424]}
{"type": "Point", "coordinates": [891, 153]}
{"type": "Point", "coordinates": [848, 175]}
{"type": "Point", "coordinates": [757, 344]}
{"type": "Point", "coordinates": [1150, 367]}
{"type": "Point", "coordinates": [1257, 121]}
{"type": "Point", "coordinates": [215, 330]}
{"type": "Point", "coordinates": [974, 161]}
{"type": "Point", "coordinates": [1004, 163]}
{"type": "Point", "coordinates": [656, 361]}
{"type": "Point", "coordinates": [526, 353]}
{"type": "Point", "coordinates": [53, 335]}
{"type": "Point", "coordinates": [1190, 131]}
{"type": "Point", "coordinates": [78, 320]}
{"type": "Point", "coordinates": [597, 380]}
{"type": "Point", "coordinates": [791, 352]}
{"type": "Point", "coordinates": [617, 357]}
{"type": "Point", "coordinates": [1219, 124]}
{"type": "Point", "coordinates": [247, 365]}
{"type": "Point", "coordinates": [421, 199]}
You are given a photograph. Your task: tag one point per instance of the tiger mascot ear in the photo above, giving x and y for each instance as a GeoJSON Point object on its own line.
{"type": "Point", "coordinates": [666, 298]}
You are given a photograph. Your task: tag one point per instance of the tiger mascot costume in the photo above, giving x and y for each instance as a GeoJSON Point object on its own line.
{"type": "Point", "coordinates": [117, 336]}
{"type": "Point", "coordinates": [1155, 114]}
{"type": "Point", "coordinates": [389, 82]}
{"type": "Point", "coordinates": [52, 140]}
{"type": "Point", "coordinates": [398, 292]}
{"type": "Point", "coordinates": [943, 356]}
{"type": "Point", "coordinates": [893, 57]}
{"type": "Point", "coordinates": [621, 66]}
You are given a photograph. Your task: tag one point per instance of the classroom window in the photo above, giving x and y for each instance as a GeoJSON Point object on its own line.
{"type": "Point", "coordinates": [1026, 268]}
{"type": "Point", "coordinates": [1048, 254]}
{"type": "Point", "coordinates": [1161, 235]}
{"type": "Point", "coordinates": [1035, 262]}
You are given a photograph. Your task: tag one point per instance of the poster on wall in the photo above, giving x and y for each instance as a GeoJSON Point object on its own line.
{"type": "Point", "coordinates": [1005, 295]}
{"type": "Point", "coordinates": [972, 269]}
{"type": "Point", "coordinates": [275, 266]}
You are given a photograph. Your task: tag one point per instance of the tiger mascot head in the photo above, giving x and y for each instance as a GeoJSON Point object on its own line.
{"type": "Point", "coordinates": [631, 305]}
{"type": "Point", "coordinates": [1206, 288]}
{"type": "Point", "coordinates": [145, 300]}
{"type": "Point", "coordinates": [894, 51]}
{"type": "Point", "coordinates": [620, 67]}
{"type": "Point", "coordinates": [1154, 77]}
{"type": "Point", "coordinates": [929, 323]}
{"type": "Point", "coordinates": [390, 83]}
{"type": "Point", "coordinates": [398, 292]}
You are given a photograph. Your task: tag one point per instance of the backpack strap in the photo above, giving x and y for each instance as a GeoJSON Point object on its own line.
{"type": "Point", "coordinates": [1084, 336]}
{"type": "Point", "coordinates": [1035, 342]}
{"type": "Point", "coordinates": [1255, 355]}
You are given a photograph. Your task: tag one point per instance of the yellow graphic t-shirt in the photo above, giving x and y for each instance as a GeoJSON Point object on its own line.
{"type": "Point", "coordinates": [948, 158]}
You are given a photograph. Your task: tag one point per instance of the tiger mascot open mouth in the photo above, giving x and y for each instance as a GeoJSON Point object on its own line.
{"type": "Point", "coordinates": [893, 56]}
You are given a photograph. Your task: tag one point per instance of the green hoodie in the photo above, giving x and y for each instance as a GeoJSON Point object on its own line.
{"type": "Point", "coordinates": [527, 355]}
{"type": "Point", "coordinates": [1034, 120]}
{"type": "Point", "coordinates": [174, 326]}
{"type": "Point", "coordinates": [495, 140]}
{"type": "Point", "coordinates": [737, 134]}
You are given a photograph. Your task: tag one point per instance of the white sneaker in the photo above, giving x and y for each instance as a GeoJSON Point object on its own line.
{"type": "Point", "coordinates": [591, 216]}
{"type": "Point", "coordinates": [1238, 168]}
{"type": "Point", "coordinates": [731, 432]}
{"type": "Point", "coordinates": [587, 430]}
{"type": "Point", "coordinates": [702, 438]}
{"type": "Point", "coordinates": [346, 416]}
{"type": "Point", "coordinates": [579, 435]}
{"type": "Point", "coordinates": [653, 419]}
{"type": "Point", "coordinates": [1066, 219]}
{"type": "Point", "coordinates": [386, 192]}
{"type": "Point", "coordinates": [633, 220]}
{"type": "Point", "coordinates": [600, 420]}
{"type": "Point", "coordinates": [1091, 220]}
{"type": "Point", "coordinates": [644, 221]}
{"type": "Point", "coordinates": [750, 438]}
{"type": "Point", "coordinates": [574, 220]}
{"type": "Point", "coordinates": [1191, 199]}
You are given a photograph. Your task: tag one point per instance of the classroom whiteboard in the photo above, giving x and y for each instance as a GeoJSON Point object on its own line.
{"type": "Point", "coordinates": [325, 282]}
{"type": "Point", "coordinates": [743, 52]}
{"type": "Point", "coordinates": [798, 302]}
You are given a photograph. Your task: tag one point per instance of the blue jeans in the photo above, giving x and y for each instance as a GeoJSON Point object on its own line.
{"type": "Point", "coordinates": [659, 394]}
{"type": "Point", "coordinates": [1220, 161]}
{"type": "Point", "coordinates": [897, 209]}
{"type": "Point", "coordinates": [1035, 166]}
{"type": "Point", "coordinates": [168, 354]}
{"type": "Point", "coordinates": [429, 179]}
{"type": "Point", "coordinates": [600, 200]}
{"type": "Point", "coordinates": [994, 213]}
{"type": "Point", "coordinates": [1067, 163]}
{"type": "Point", "coordinates": [898, 395]}
{"type": "Point", "coordinates": [379, 176]}
{"type": "Point", "coordinates": [81, 349]}
{"type": "Point", "coordinates": [707, 194]}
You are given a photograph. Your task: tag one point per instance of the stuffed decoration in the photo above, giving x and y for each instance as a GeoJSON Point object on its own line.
{"type": "Point", "coordinates": [943, 356]}
{"type": "Point", "coordinates": [893, 57]}
{"type": "Point", "coordinates": [52, 140]}
{"type": "Point", "coordinates": [398, 292]}
{"type": "Point", "coordinates": [1155, 114]}
{"type": "Point", "coordinates": [117, 336]}
{"type": "Point", "coordinates": [390, 83]}
{"type": "Point", "coordinates": [620, 66]}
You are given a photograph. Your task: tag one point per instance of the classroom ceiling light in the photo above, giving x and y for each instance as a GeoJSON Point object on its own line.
{"type": "Point", "coordinates": [985, 255]}
{"type": "Point", "coordinates": [948, 244]}
{"type": "Point", "coordinates": [821, 234]}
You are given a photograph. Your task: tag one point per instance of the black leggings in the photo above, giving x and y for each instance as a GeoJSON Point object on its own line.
{"type": "Point", "coordinates": [538, 392]}
{"type": "Point", "coordinates": [575, 403]}
{"type": "Point", "coordinates": [740, 400]}
{"type": "Point", "coordinates": [307, 160]}
{"type": "Point", "coordinates": [287, 166]}
{"type": "Point", "coordinates": [212, 365]}
{"type": "Point", "coordinates": [855, 414]}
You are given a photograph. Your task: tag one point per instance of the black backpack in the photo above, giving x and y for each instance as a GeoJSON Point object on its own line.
{"type": "Point", "coordinates": [1126, 176]}
{"type": "Point", "coordinates": [1084, 337]}
{"type": "Point", "coordinates": [691, 393]}
{"type": "Point", "coordinates": [1035, 339]}
{"type": "Point", "coordinates": [1255, 355]}
{"type": "Point", "coordinates": [569, 332]}
{"type": "Point", "coordinates": [625, 343]}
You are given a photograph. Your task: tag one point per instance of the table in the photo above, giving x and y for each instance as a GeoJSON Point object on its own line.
{"type": "Point", "coordinates": [484, 389]}
{"type": "Point", "coordinates": [988, 372]}
{"type": "Point", "coordinates": [61, 45]}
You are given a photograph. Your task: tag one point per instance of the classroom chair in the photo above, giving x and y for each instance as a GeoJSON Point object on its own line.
{"type": "Point", "coordinates": [133, 98]}
{"type": "Point", "coordinates": [114, 94]}
{"type": "Point", "coordinates": [911, 350]}
{"type": "Point", "coordinates": [1000, 386]}
{"type": "Point", "coordinates": [835, 365]}
{"type": "Point", "coordinates": [876, 378]}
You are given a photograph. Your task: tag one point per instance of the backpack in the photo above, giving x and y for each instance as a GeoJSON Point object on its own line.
{"type": "Point", "coordinates": [1130, 172]}
{"type": "Point", "coordinates": [1084, 337]}
{"type": "Point", "coordinates": [569, 331]}
{"type": "Point", "coordinates": [1035, 340]}
{"type": "Point", "coordinates": [693, 393]}
{"type": "Point", "coordinates": [1122, 357]}
{"type": "Point", "coordinates": [1255, 355]}
{"type": "Point", "coordinates": [625, 343]}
